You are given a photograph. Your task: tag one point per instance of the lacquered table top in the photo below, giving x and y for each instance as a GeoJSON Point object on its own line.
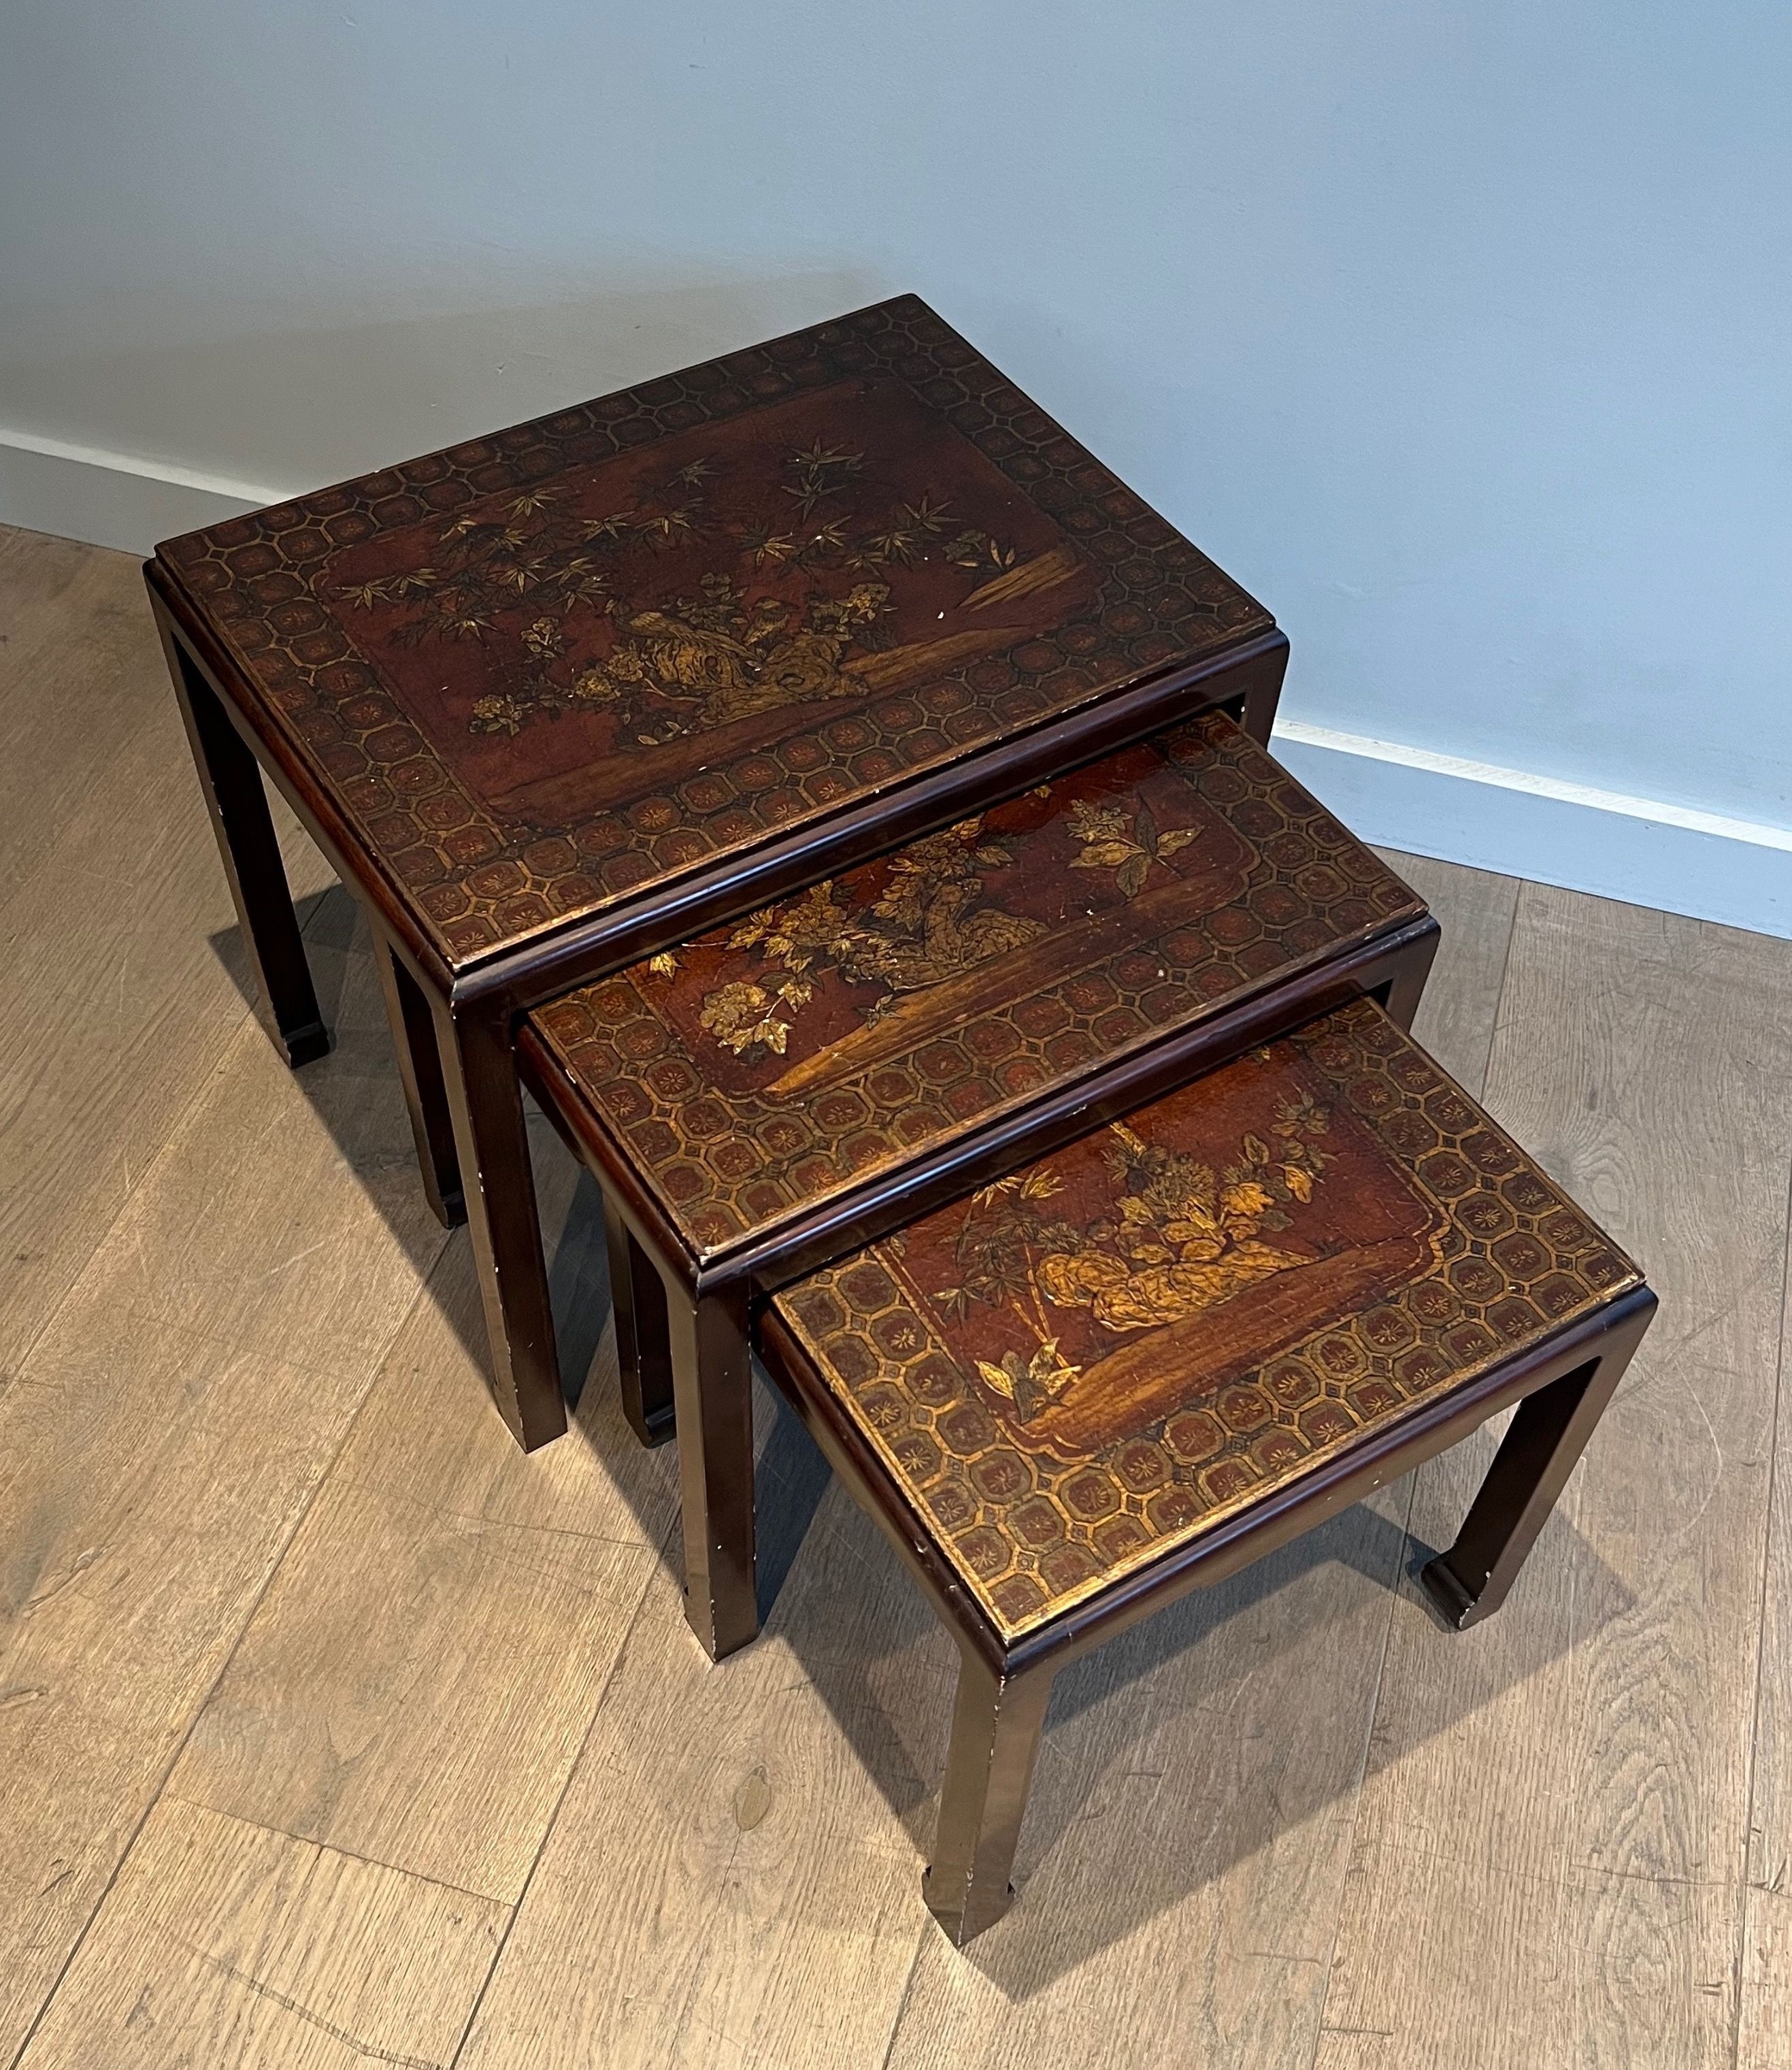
{"type": "Point", "coordinates": [563, 667]}
{"type": "Point", "coordinates": [1088, 1365]}
{"type": "Point", "coordinates": [776, 1062]}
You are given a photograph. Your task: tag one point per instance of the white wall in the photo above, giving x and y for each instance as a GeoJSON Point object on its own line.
{"type": "Point", "coordinates": [1460, 334]}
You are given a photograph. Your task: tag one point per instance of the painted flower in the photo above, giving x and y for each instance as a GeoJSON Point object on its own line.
{"type": "Point", "coordinates": [596, 686]}
{"type": "Point", "coordinates": [497, 715]}
{"type": "Point", "coordinates": [742, 1015]}
{"type": "Point", "coordinates": [1094, 823]}
{"type": "Point", "coordinates": [543, 640]}
{"type": "Point", "coordinates": [1246, 1200]}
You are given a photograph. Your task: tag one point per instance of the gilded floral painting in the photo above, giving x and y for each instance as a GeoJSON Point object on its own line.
{"type": "Point", "coordinates": [754, 1070]}
{"type": "Point", "coordinates": [872, 966]}
{"type": "Point", "coordinates": [604, 637]}
{"type": "Point", "coordinates": [1203, 1236]}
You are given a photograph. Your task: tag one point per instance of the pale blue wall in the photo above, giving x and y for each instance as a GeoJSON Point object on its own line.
{"type": "Point", "coordinates": [1460, 333]}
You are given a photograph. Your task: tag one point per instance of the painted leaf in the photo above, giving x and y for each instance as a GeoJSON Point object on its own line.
{"type": "Point", "coordinates": [1107, 855]}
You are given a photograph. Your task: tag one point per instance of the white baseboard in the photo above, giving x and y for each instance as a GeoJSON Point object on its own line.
{"type": "Point", "coordinates": [1638, 850]}
{"type": "Point", "coordinates": [111, 499]}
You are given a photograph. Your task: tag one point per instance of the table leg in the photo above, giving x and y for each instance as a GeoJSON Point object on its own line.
{"type": "Point", "coordinates": [712, 1391]}
{"type": "Point", "coordinates": [996, 1722]}
{"type": "Point", "coordinates": [1545, 1437]}
{"type": "Point", "coordinates": [643, 1337]}
{"type": "Point", "coordinates": [230, 778]}
{"type": "Point", "coordinates": [419, 1057]}
{"type": "Point", "coordinates": [485, 1098]}
{"type": "Point", "coordinates": [1407, 988]}
{"type": "Point", "coordinates": [1258, 716]}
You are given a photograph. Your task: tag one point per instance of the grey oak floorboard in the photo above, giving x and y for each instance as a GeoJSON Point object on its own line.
{"type": "Point", "coordinates": [1475, 909]}
{"type": "Point", "coordinates": [120, 977]}
{"type": "Point", "coordinates": [1549, 1858]}
{"type": "Point", "coordinates": [149, 1476]}
{"type": "Point", "coordinates": [1764, 2036]}
{"type": "Point", "coordinates": [165, 1433]}
{"type": "Point", "coordinates": [757, 1824]}
{"type": "Point", "coordinates": [77, 645]}
{"type": "Point", "coordinates": [285, 1210]}
{"type": "Point", "coordinates": [224, 1944]}
{"type": "Point", "coordinates": [415, 1686]}
{"type": "Point", "coordinates": [1185, 1849]}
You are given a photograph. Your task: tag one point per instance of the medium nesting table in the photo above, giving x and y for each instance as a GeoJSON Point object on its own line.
{"type": "Point", "coordinates": [771, 1094]}
{"type": "Point", "coordinates": [555, 700]}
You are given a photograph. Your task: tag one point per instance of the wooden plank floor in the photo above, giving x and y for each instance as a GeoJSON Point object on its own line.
{"type": "Point", "coordinates": [334, 1731]}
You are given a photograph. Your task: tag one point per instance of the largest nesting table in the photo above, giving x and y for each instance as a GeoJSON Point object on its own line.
{"type": "Point", "coordinates": [554, 700]}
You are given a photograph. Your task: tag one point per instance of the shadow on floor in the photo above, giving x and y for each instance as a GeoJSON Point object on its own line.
{"type": "Point", "coordinates": [1219, 1727]}
{"type": "Point", "coordinates": [355, 1092]}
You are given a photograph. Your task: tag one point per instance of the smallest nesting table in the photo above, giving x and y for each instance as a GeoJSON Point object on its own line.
{"type": "Point", "coordinates": [1142, 1362]}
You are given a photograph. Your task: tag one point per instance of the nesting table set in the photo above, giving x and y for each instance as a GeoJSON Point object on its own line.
{"type": "Point", "coordinates": [845, 808]}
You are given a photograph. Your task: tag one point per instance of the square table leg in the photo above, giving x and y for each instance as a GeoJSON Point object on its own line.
{"type": "Point", "coordinates": [230, 778]}
{"type": "Point", "coordinates": [497, 1182]}
{"type": "Point", "coordinates": [1545, 1437]}
{"type": "Point", "coordinates": [1401, 996]}
{"type": "Point", "coordinates": [996, 1724]}
{"type": "Point", "coordinates": [1257, 714]}
{"type": "Point", "coordinates": [407, 1009]}
{"type": "Point", "coordinates": [643, 1337]}
{"type": "Point", "coordinates": [712, 1393]}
